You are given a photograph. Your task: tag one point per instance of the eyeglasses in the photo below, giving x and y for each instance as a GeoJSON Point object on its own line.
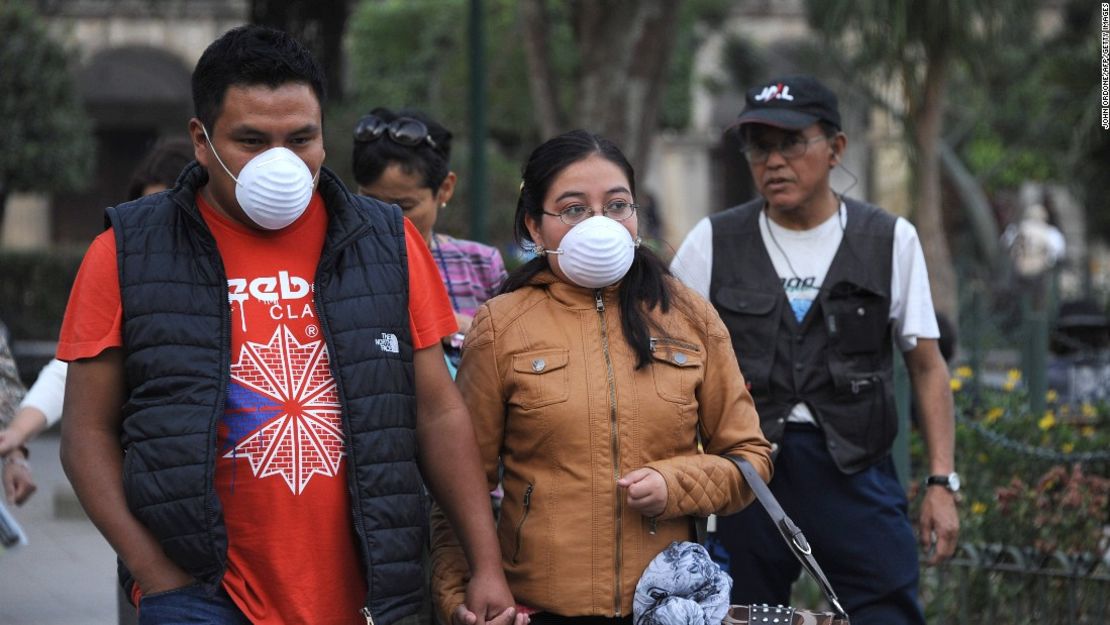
{"type": "Point", "coordinates": [617, 210]}
{"type": "Point", "coordinates": [791, 147]}
{"type": "Point", "coordinates": [403, 130]}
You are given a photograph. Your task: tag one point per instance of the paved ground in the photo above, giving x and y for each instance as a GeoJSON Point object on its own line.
{"type": "Point", "coordinates": [67, 574]}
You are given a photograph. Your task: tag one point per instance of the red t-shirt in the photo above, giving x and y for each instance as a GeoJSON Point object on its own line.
{"type": "Point", "coordinates": [281, 469]}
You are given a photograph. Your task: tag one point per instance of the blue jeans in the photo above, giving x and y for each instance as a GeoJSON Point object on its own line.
{"type": "Point", "coordinates": [857, 525]}
{"type": "Point", "coordinates": [191, 605]}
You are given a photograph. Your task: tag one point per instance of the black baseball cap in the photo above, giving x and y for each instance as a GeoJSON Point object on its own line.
{"type": "Point", "coordinates": [790, 103]}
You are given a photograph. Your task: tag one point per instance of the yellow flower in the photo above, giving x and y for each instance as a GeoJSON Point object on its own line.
{"type": "Point", "coordinates": [964, 372]}
{"type": "Point", "coordinates": [1067, 448]}
{"type": "Point", "coordinates": [1047, 421]}
{"type": "Point", "coordinates": [1088, 410]}
{"type": "Point", "coordinates": [994, 414]}
{"type": "Point", "coordinates": [978, 507]}
{"type": "Point", "coordinates": [1050, 396]}
{"type": "Point", "coordinates": [956, 384]}
{"type": "Point", "coordinates": [1087, 431]}
{"type": "Point", "coordinates": [1013, 375]}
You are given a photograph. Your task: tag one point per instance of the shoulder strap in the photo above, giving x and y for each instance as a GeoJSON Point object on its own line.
{"type": "Point", "coordinates": [790, 532]}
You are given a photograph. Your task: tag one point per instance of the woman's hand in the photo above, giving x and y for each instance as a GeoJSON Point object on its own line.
{"type": "Point", "coordinates": [647, 491]}
{"type": "Point", "coordinates": [18, 483]}
{"type": "Point", "coordinates": [465, 321]}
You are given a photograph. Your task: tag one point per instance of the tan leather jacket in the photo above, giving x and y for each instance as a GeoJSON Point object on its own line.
{"type": "Point", "coordinates": [552, 387]}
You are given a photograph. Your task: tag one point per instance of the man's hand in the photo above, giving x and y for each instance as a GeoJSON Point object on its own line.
{"type": "Point", "coordinates": [18, 483]}
{"type": "Point", "coordinates": [165, 577]}
{"type": "Point", "coordinates": [508, 616]}
{"type": "Point", "coordinates": [940, 525]}
{"type": "Point", "coordinates": [647, 491]}
{"type": "Point", "coordinates": [488, 595]}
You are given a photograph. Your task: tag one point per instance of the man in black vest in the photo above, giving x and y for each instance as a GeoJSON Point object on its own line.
{"type": "Point", "coordinates": [256, 382]}
{"type": "Point", "coordinates": [817, 290]}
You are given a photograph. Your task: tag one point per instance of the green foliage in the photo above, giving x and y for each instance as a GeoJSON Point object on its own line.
{"type": "Point", "coordinates": [34, 289]}
{"type": "Point", "coordinates": [1035, 494]}
{"type": "Point", "coordinates": [1024, 104]}
{"type": "Point", "coordinates": [47, 138]}
{"type": "Point", "coordinates": [696, 19]}
{"type": "Point", "coordinates": [412, 54]}
{"type": "Point", "coordinates": [1000, 166]}
{"type": "Point", "coordinates": [1019, 488]}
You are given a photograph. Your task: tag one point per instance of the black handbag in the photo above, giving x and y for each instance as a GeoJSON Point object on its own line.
{"type": "Point", "coordinates": [758, 614]}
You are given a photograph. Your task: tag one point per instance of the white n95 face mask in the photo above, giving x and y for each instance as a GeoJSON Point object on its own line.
{"type": "Point", "coordinates": [273, 188]}
{"type": "Point", "coordinates": [596, 253]}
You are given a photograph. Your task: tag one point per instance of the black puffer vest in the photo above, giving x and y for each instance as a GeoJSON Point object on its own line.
{"type": "Point", "coordinates": [176, 337]}
{"type": "Point", "coordinates": [839, 359]}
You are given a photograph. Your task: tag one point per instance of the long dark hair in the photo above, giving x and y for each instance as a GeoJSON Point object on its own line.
{"type": "Point", "coordinates": [644, 287]}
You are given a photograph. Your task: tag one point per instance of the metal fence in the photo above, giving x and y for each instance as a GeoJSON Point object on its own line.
{"type": "Point", "coordinates": [1005, 585]}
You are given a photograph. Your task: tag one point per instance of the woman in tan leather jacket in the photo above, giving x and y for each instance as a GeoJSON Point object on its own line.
{"type": "Point", "coordinates": [592, 380]}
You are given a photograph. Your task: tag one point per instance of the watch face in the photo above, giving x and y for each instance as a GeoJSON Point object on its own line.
{"type": "Point", "coordinates": [954, 482]}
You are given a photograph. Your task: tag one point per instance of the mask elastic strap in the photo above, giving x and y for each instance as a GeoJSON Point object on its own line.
{"type": "Point", "coordinates": [217, 154]}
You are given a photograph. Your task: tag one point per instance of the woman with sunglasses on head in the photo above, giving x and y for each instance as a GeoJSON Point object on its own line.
{"type": "Point", "coordinates": [592, 380]}
{"type": "Point", "coordinates": [403, 158]}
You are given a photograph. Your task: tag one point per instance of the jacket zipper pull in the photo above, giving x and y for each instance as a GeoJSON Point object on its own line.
{"type": "Point", "coordinates": [600, 302]}
{"type": "Point", "coordinates": [651, 344]}
{"type": "Point", "coordinates": [365, 612]}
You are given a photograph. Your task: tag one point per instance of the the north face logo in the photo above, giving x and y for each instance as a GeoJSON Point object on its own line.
{"type": "Point", "coordinates": [775, 92]}
{"type": "Point", "coordinates": [388, 343]}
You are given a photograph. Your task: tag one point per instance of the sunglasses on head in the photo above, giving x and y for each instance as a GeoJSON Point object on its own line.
{"type": "Point", "coordinates": [403, 130]}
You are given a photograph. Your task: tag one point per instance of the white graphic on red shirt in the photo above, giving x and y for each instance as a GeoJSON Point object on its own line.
{"type": "Point", "coordinates": [305, 438]}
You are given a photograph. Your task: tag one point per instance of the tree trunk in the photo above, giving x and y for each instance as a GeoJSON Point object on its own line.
{"type": "Point", "coordinates": [535, 22]}
{"type": "Point", "coordinates": [975, 203]}
{"type": "Point", "coordinates": [624, 48]}
{"type": "Point", "coordinates": [926, 121]}
{"type": "Point", "coordinates": [3, 206]}
{"type": "Point", "coordinates": [318, 24]}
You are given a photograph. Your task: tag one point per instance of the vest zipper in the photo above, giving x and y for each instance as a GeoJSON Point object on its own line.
{"type": "Point", "coordinates": [614, 443]}
{"type": "Point", "coordinates": [221, 402]}
{"type": "Point", "coordinates": [356, 506]}
{"type": "Point", "coordinates": [523, 518]}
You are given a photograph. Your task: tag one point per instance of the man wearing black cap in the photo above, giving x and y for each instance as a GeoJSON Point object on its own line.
{"type": "Point", "coordinates": [816, 289]}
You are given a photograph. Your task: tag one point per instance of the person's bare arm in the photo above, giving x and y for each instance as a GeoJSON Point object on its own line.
{"type": "Point", "coordinates": [93, 462]}
{"type": "Point", "coordinates": [26, 424]}
{"type": "Point", "coordinates": [448, 455]}
{"type": "Point", "coordinates": [940, 522]}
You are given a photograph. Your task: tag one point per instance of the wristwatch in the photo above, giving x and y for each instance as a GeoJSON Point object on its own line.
{"type": "Point", "coordinates": [950, 481]}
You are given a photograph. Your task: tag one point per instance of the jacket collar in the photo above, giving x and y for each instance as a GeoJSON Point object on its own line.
{"type": "Point", "coordinates": [571, 295]}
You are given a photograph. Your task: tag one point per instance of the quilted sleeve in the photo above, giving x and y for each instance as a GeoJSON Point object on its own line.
{"type": "Point", "coordinates": [707, 483]}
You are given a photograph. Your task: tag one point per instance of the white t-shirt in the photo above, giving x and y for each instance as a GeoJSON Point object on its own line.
{"type": "Point", "coordinates": [802, 259]}
{"type": "Point", "coordinates": [48, 390]}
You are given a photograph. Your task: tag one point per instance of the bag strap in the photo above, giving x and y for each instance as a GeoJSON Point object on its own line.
{"type": "Point", "coordinates": [793, 536]}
